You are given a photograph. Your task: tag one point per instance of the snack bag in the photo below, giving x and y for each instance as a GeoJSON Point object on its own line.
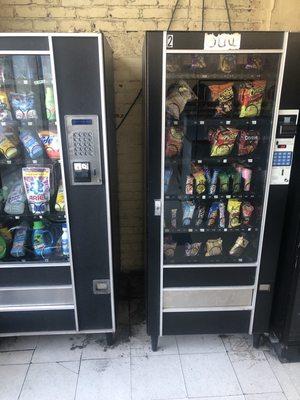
{"type": "Point", "coordinates": [189, 186]}
{"type": "Point", "coordinates": [213, 182]}
{"type": "Point", "coordinates": [197, 62]}
{"type": "Point", "coordinates": [7, 147]}
{"type": "Point", "coordinates": [37, 186]}
{"type": "Point", "coordinates": [224, 182]}
{"type": "Point", "coordinates": [212, 214]}
{"type": "Point", "coordinates": [234, 207]}
{"type": "Point", "coordinates": [200, 215]}
{"type": "Point", "coordinates": [200, 181]}
{"type": "Point", "coordinates": [174, 218]}
{"type": "Point", "coordinates": [60, 199]}
{"type": "Point", "coordinates": [248, 141]}
{"type": "Point", "coordinates": [247, 175]}
{"type": "Point", "coordinates": [174, 141]}
{"type": "Point", "coordinates": [222, 215]}
{"type": "Point", "coordinates": [236, 176]}
{"type": "Point", "coordinates": [50, 141]}
{"type": "Point", "coordinates": [227, 63]}
{"type": "Point", "coordinates": [254, 62]}
{"type": "Point", "coordinates": [247, 210]}
{"type": "Point", "coordinates": [192, 249]}
{"type": "Point", "coordinates": [239, 246]}
{"type": "Point", "coordinates": [5, 113]}
{"type": "Point", "coordinates": [188, 208]}
{"type": "Point", "coordinates": [15, 202]}
{"type": "Point", "coordinates": [213, 247]}
{"type": "Point", "coordinates": [177, 98]}
{"type": "Point", "coordinates": [23, 105]}
{"type": "Point", "coordinates": [223, 95]}
{"type": "Point", "coordinates": [250, 98]}
{"type": "Point", "coordinates": [169, 248]}
{"type": "Point", "coordinates": [18, 248]}
{"type": "Point", "coordinates": [222, 141]}
{"type": "Point", "coordinates": [167, 177]}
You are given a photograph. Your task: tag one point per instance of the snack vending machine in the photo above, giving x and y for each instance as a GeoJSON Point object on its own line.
{"type": "Point", "coordinates": [211, 110]}
{"type": "Point", "coordinates": [58, 221]}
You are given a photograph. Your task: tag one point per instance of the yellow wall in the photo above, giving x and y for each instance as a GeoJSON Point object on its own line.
{"type": "Point", "coordinates": [124, 23]}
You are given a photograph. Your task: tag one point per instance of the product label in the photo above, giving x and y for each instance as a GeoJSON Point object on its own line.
{"type": "Point", "coordinates": [222, 41]}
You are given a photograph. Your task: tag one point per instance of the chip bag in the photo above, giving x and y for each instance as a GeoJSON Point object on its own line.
{"type": "Point", "coordinates": [200, 181]}
{"type": "Point", "coordinates": [250, 98]}
{"type": "Point", "coordinates": [233, 208]}
{"type": "Point", "coordinates": [247, 142]}
{"type": "Point", "coordinates": [192, 249]}
{"type": "Point", "coordinates": [213, 247]}
{"type": "Point", "coordinates": [23, 105]}
{"type": "Point", "coordinates": [239, 246]}
{"type": "Point", "coordinates": [174, 141]}
{"type": "Point", "coordinates": [223, 95]}
{"type": "Point", "coordinates": [222, 140]}
{"type": "Point", "coordinates": [227, 63]}
{"type": "Point", "coordinates": [4, 106]}
{"type": "Point", "coordinates": [177, 98]}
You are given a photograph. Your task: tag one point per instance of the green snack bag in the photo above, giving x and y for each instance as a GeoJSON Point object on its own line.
{"type": "Point", "coordinates": [3, 247]}
{"type": "Point", "coordinates": [224, 182]}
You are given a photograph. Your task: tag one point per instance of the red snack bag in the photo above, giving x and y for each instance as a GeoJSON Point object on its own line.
{"type": "Point", "coordinates": [223, 94]}
{"type": "Point", "coordinates": [248, 141]}
{"type": "Point", "coordinates": [250, 98]}
{"type": "Point", "coordinates": [222, 140]}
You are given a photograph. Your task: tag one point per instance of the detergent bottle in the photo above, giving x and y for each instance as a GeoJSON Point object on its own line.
{"type": "Point", "coordinates": [42, 239]}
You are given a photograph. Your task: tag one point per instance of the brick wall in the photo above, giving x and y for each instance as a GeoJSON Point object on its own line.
{"type": "Point", "coordinates": [124, 23]}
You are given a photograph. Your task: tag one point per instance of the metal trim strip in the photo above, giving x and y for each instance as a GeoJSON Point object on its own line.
{"type": "Point", "coordinates": [106, 174]}
{"type": "Point", "coordinates": [63, 177]}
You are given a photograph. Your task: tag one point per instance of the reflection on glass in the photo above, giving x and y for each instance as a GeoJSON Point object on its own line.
{"type": "Point", "coordinates": [32, 216]}
{"type": "Point", "coordinates": [219, 111]}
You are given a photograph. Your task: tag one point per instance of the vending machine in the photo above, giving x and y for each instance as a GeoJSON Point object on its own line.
{"type": "Point", "coordinates": [58, 219]}
{"type": "Point", "coordinates": [211, 109]}
{"type": "Point", "coordinates": [281, 238]}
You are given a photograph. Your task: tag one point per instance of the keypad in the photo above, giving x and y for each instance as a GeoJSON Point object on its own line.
{"type": "Point", "coordinates": [83, 143]}
{"type": "Point", "coordinates": [282, 158]}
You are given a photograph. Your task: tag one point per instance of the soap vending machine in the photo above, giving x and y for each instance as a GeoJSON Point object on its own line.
{"type": "Point", "coordinates": [207, 195]}
{"type": "Point", "coordinates": [58, 232]}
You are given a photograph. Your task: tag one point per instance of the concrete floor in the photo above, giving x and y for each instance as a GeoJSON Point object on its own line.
{"type": "Point", "coordinates": [199, 367]}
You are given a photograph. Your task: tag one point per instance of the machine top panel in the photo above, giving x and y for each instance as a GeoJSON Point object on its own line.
{"type": "Point", "coordinates": [26, 43]}
{"type": "Point", "coordinates": [249, 40]}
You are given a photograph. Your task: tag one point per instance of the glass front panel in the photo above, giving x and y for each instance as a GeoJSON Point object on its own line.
{"type": "Point", "coordinates": [219, 110]}
{"type": "Point", "coordinates": [32, 221]}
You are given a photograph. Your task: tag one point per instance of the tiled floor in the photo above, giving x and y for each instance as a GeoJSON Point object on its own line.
{"type": "Point", "coordinates": [206, 367]}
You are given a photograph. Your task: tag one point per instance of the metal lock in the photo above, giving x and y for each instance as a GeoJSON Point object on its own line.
{"type": "Point", "coordinates": [101, 286]}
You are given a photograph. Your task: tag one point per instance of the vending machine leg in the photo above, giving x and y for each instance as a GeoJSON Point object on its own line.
{"type": "Point", "coordinates": [109, 339]}
{"type": "Point", "coordinates": [154, 342]}
{"type": "Point", "coordinates": [257, 340]}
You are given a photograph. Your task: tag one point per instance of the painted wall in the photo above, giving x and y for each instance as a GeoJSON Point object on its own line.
{"type": "Point", "coordinates": [124, 23]}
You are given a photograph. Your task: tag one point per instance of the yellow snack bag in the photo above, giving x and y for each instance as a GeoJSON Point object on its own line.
{"type": "Point", "coordinates": [234, 207]}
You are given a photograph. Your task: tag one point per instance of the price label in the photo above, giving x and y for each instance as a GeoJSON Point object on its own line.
{"type": "Point", "coordinates": [222, 41]}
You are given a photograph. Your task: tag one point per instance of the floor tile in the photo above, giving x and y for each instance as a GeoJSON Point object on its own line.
{"type": "Point", "coordinates": [282, 376]}
{"type": "Point", "coordinates": [96, 347]}
{"type": "Point", "coordinates": [11, 380]}
{"type": "Point", "coordinates": [140, 343]}
{"type": "Point", "coordinates": [58, 348]}
{"type": "Point", "coordinates": [18, 343]}
{"type": "Point", "coordinates": [157, 378]}
{"type": "Point", "coordinates": [188, 344]}
{"type": "Point", "coordinates": [48, 382]}
{"type": "Point", "coordinates": [265, 396]}
{"type": "Point", "coordinates": [209, 375]}
{"type": "Point", "coordinates": [239, 342]}
{"type": "Point", "coordinates": [107, 379]}
{"type": "Point", "coordinates": [293, 371]}
{"type": "Point", "coordinates": [15, 357]}
{"type": "Point", "coordinates": [254, 372]}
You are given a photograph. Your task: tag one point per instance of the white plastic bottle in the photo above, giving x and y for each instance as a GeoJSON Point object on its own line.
{"type": "Point", "coordinates": [65, 240]}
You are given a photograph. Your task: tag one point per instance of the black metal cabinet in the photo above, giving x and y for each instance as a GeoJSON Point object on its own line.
{"type": "Point", "coordinates": [211, 107]}
{"type": "Point", "coordinates": [67, 284]}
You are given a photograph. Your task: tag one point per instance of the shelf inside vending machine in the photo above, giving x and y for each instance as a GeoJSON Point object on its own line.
{"type": "Point", "coordinates": [218, 128]}
{"type": "Point", "coordinates": [34, 227]}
